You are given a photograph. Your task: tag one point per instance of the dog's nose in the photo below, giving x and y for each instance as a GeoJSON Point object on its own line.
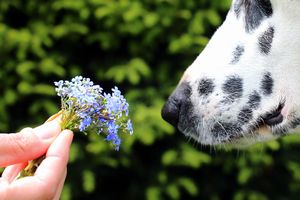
{"type": "Point", "coordinates": [172, 107]}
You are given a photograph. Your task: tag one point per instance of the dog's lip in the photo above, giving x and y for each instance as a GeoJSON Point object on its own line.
{"type": "Point", "coordinates": [274, 117]}
{"type": "Point", "coordinates": [264, 126]}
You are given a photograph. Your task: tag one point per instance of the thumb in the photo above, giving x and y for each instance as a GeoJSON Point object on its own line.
{"type": "Point", "coordinates": [27, 145]}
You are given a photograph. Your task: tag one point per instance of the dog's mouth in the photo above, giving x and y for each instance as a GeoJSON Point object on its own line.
{"type": "Point", "coordinates": [267, 127]}
{"type": "Point", "coordinates": [269, 123]}
{"type": "Point", "coordinates": [274, 117]}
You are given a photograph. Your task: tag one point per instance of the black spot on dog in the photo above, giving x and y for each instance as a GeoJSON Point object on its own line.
{"type": "Point", "coordinates": [225, 131]}
{"type": "Point", "coordinates": [188, 121]}
{"type": "Point", "coordinates": [267, 84]}
{"type": "Point", "coordinates": [245, 115]}
{"type": "Point", "coordinates": [206, 86]}
{"type": "Point", "coordinates": [185, 89]}
{"type": "Point", "coordinates": [255, 11]}
{"type": "Point", "coordinates": [254, 100]}
{"type": "Point", "coordinates": [233, 87]}
{"type": "Point", "coordinates": [295, 122]}
{"type": "Point", "coordinates": [237, 53]}
{"type": "Point", "coordinates": [265, 41]}
{"type": "Point", "coordinates": [237, 6]}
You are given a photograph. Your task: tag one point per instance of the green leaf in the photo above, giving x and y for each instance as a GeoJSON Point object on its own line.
{"type": "Point", "coordinates": [24, 87]}
{"type": "Point", "coordinates": [153, 193]}
{"type": "Point", "coordinates": [173, 191]}
{"type": "Point", "coordinates": [244, 175]}
{"type": "Point", "coordinates": [194, 158]}
{"type": "Point", "coordinates": [43, 89]}
{"type": "Point", "coordinates": [10, 96]}
{"type": "Point", "coordinates": [24, 68]}
{"type": "Point", "coordinates": [133, 71]}
{"type": "Point", "coordinates": [151, 19]}
{"type": "Point", "coordinates": [88, 181]}
{"type": "Point", "coordinates": [67, 192]}
{"type": "Point", "coordinates": [49, 66]}
{"type": "Point", "coordinates": [189, 185]}
{"type": "Point", "coordinates": [169, 157]}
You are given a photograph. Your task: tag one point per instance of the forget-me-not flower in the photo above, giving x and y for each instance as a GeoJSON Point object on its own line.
{"type": "Point", "coordinates": [86, 108]}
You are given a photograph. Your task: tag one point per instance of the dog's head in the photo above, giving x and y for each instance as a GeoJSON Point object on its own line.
{"type": "Point", "coordinates": [245, 85]}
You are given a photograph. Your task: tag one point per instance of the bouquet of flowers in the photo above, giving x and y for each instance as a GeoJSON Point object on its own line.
{"type": "Point", "coordinates": [86, 108]}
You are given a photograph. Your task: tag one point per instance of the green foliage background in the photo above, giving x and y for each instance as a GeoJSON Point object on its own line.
{"type": "Point", "coordinates": [143, 46]}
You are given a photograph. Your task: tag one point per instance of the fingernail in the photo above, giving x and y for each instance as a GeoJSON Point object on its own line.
{"type": "Point", "coordinates": [48, 130]}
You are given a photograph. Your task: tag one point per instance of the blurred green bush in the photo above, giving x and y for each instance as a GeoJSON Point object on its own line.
{"type": "Point", "coordinates": [143, 46]}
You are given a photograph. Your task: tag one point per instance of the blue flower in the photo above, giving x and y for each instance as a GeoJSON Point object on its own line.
{"type": "Point", "coordinates": [116, 103]}
{"type": "Point", "coordinates": [85, 107]}
{"type": "Point", "coordinates": [112, 130]}
{"type": "Point", "coordinates": [86, 122]}
{"type": "Point", "coordinates": [129, 127]}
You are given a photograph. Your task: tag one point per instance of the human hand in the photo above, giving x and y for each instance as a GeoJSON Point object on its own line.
{"type": "Point", "coordinates": [17, 149]}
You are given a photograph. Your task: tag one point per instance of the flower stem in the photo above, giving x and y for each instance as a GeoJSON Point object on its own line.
{"type": "Point", "coordinates": [32, 166]}
{"type": "Point", "coordinates": [30, 169]}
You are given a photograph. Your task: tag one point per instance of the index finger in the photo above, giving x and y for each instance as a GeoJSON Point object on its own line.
{"type": "Point", "coordinates": [28, 144]}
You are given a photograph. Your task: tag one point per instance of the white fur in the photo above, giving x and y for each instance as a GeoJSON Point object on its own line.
{"type": "Point", "coordinates": [283, 62]}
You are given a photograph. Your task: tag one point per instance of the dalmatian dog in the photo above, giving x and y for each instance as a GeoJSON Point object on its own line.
{"type": "Point", "coordinates": [244, 87]}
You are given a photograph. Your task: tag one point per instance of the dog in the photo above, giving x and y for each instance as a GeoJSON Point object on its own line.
{"type": "Point", "coordinates": [244, 87]}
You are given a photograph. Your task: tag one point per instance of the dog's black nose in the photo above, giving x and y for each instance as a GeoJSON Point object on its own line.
{"type": "Point", "coordinates": [170, 111]}
{"type": "Point", "coordinates": [172, 107]}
